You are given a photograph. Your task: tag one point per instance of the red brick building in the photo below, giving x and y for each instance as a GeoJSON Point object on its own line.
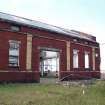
{"type": "Point", "coordinates": [21, 43]}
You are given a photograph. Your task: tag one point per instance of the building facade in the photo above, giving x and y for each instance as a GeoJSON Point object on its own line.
{"type": "Point", "coordinates": [21, 41]}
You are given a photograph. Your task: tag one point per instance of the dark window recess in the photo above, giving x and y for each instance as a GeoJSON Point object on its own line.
{"type": "Point", "coordinates": [15, 28]}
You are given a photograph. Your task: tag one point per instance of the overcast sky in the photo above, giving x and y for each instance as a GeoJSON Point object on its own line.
{"type": "Point", "coordinates": [82, 15]}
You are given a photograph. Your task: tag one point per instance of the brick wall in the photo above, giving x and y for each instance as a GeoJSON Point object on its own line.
{"type": "Point", "coordinates": [42, 38]}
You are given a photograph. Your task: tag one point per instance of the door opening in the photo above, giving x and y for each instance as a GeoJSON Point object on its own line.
{"type": "Point", "coordinates": [49, 63]}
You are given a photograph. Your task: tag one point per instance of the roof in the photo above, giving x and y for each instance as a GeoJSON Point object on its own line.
{"type": "Point", "coordinates": [41, 25]}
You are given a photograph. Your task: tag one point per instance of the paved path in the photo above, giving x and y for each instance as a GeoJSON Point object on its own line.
{"type": "Point", "coordinates": [73, 82]}
{"type": "Point", "coordinates": [48, 80]}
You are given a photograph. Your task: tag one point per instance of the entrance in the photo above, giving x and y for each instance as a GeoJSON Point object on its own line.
{"type": "Point", "coordinates": [49, 63]}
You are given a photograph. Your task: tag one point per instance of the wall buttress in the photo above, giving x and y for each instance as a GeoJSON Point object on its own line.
{"type": "Point", "coordinates": [68, 54]}
{"type": "Point", "coordinates": [29, 52]}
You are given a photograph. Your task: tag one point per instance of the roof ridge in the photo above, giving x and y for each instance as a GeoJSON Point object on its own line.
{"type": "Point", "coordinates": [41, 25]}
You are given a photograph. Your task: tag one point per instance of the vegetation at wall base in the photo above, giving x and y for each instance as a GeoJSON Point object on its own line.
{"type": "Point", "coordinates": [50, 94]}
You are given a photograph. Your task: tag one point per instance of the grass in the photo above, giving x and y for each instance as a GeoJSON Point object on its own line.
{"type": "Point", "coordinates": [41, 94]}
